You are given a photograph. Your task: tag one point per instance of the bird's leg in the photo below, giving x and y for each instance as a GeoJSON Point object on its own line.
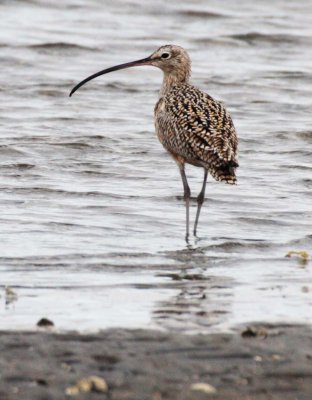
{"type": "Point", "coordinates": [200, 200]}
{"type": "Point", "coordinates": [187, 196]}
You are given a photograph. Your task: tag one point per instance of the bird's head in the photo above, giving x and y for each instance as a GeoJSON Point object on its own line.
{"type": "Point", "coordinates": [171, 59]}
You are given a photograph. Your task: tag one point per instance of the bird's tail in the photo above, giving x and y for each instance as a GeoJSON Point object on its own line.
{"type": "Point", "coordinates": [225, 172]}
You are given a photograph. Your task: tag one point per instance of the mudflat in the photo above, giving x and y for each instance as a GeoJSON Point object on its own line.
{"type": "Point", "coordinates": [265, 362]}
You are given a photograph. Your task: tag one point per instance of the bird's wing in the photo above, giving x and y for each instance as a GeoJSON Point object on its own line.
{"type": "Point", "coordinates": [204, 124]}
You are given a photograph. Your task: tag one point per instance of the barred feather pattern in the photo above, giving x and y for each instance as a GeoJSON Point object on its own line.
{"type": "Point", "coordinates": [193, 126]}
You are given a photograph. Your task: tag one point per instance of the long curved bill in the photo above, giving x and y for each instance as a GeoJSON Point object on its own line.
{"type": "Point", "coordinates": [143, 61]}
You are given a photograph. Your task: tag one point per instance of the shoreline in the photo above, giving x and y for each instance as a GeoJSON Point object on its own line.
{"type": "Point", "coordinates": [269, 361]}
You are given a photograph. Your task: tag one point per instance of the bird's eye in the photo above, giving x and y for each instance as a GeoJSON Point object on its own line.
{"type": "Point", "coordinates": [165, 55]}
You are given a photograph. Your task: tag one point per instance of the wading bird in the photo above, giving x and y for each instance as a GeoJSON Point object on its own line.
{"type": "Point", "coordinates": [192, 126]}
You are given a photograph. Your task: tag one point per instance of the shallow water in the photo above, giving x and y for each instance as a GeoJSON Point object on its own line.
{"type": "Point", "coordinates": [92, 218]}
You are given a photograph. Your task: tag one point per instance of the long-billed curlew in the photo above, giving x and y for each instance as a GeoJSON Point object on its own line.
{"type": "Point", "coordinates": [192, 126]}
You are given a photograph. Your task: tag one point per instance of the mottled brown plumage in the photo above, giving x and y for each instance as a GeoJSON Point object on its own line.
{"type": "Point", "coordinates": [192, 126]}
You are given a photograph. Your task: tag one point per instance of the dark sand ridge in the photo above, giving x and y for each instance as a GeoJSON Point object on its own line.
{"type": "Point", "coordinates": [276, 363]}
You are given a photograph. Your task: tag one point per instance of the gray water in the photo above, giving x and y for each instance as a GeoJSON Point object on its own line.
{"type": "Point", "coordinates": [91, 208]}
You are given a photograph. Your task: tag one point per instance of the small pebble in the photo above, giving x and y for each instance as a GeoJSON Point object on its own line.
{"type": "Point", "coordinates": [45, 323]}
{"type": "Point", "coordinates": [10, 295]}
{"type": "Point", "coordinates": [86, 385]}
{"type": "Point", "coordinates": [304, 255]}
{"type": "Point", "coordinates": [276, 357]}
{"type": "Point", "coordinates": [41, 382]}
{"type": "Point", "coordinates": [254, 331]}
{"type": "Point", "coordinates": [72, 391]}
{"type": "Point", "coordinates": [203, 387]}
{"type": "Point", "coordinates": [9, 291]}
{"type": "Point", "coordinates": [99, 384]}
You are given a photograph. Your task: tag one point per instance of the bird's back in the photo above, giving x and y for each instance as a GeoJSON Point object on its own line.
{"type": "Point", "coordinates": [193, 126]}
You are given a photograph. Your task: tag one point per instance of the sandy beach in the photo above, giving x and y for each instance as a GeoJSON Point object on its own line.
{"type": "Point", "coordinates": [275, 364]}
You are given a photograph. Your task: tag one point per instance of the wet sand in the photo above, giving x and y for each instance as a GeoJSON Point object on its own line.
{"type": "Point", "coordinates": [152, 365]}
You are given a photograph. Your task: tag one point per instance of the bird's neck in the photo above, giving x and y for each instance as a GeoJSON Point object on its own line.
{"type": "Point", "coordinates": [171, 80]}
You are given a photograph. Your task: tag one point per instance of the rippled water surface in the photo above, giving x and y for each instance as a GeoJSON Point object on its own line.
{"type": "Point", "coordinates": [92, 218]}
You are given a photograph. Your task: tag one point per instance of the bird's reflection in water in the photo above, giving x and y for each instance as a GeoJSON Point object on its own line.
{"type": "Point", "coordinates": [202, 301]}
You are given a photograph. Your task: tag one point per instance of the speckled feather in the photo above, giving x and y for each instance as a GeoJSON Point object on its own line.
{"type": "Point", "coordinates": [194, 126]}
